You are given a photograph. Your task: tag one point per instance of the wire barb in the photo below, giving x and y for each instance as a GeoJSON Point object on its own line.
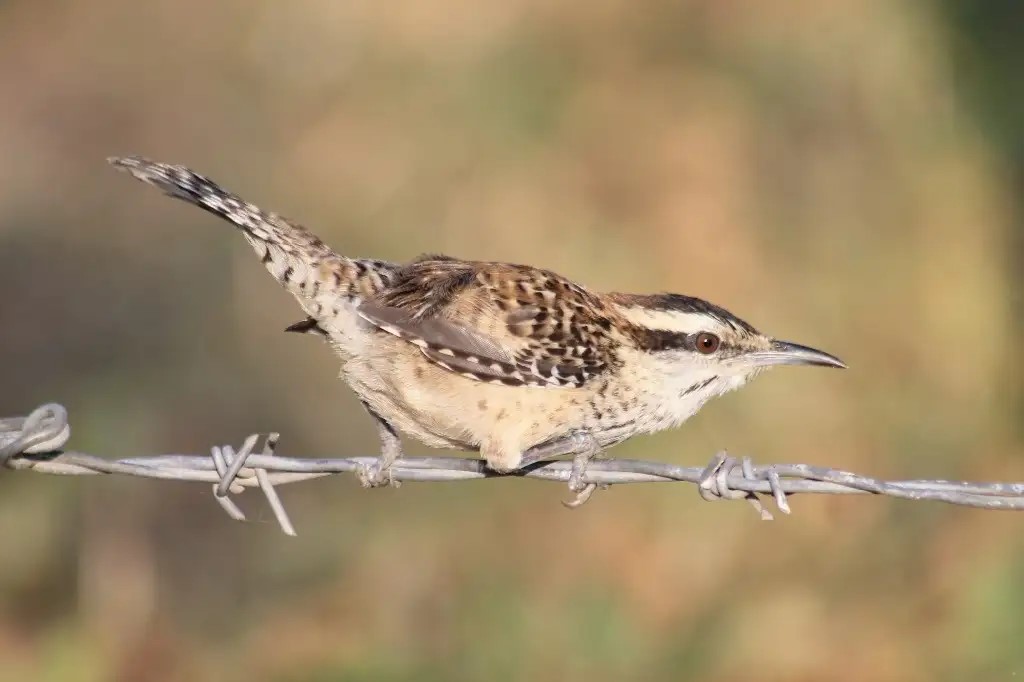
{"type": "Point", "coordinates": [36, 443]}
{"type": "Point", "coordinates": [714, 483]}
{"type": "Point", "coordinates": [230, 466]}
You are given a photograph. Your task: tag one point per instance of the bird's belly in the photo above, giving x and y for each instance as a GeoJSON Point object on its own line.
{"type": "Point", "coordinates": [444, 410]}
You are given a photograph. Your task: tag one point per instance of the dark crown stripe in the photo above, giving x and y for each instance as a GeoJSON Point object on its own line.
{"type": "Point", "coordinates": [690, 304]}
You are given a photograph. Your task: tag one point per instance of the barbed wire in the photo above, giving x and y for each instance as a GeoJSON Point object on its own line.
{"type": "Point", "coordinates": [36, 443]}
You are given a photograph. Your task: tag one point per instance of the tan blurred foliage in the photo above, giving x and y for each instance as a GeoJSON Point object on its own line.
{"type": "Point", "coordinates": [807, 165]}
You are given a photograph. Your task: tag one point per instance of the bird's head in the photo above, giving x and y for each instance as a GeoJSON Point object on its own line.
{"type": "Point", "coordinates": [700, 350]}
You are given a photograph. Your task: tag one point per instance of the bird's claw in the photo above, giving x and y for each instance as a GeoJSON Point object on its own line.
{"type": "Point", "coordinates": [377, 475]}
{"type": "Point", "coordinates": [589, 450]}
{"type": "Point", "coordinates": [582, 496]}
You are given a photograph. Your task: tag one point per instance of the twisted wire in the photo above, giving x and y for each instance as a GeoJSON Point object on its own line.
{"type": "Point", "coordinates": [36, 443]}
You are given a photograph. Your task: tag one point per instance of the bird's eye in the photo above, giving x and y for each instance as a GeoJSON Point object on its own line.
{"type": "Point", "coordinates": [707, 343]}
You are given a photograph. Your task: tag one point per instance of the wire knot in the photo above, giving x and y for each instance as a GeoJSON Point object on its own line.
{"type": "Point", "coordinates": [43, 431]}
{"type": "Point", "coordinates": [235, 477]}
{"type": "Point", "coordinates": [714, 483]}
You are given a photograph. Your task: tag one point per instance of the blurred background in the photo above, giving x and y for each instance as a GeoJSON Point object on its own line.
{"type": "Point", "coordinates": [846, 174]}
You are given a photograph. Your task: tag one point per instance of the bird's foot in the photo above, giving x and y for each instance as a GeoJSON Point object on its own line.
{"type": "Point", "coordinates": [586, 449]}
{"type": "Point", "coordinates": [583, 446]}
{"type": "Point", "coordinates": [379, 474]}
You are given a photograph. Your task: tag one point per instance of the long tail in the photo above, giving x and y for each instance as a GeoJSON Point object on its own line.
{"type": "Point", "coordinates": [316, 275]}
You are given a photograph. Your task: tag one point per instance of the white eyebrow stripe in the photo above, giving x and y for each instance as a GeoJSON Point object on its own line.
{"type": "Point", "coordinates": [672, 321]}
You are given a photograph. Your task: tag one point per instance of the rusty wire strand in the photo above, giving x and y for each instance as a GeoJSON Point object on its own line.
{"type": "Point", "coordinates": [36, 443]}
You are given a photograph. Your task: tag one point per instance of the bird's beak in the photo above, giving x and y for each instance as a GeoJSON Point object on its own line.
{"type": "Point", "coordinates": [786, 353]}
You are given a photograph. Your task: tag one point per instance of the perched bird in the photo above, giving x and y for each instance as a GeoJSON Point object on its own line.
{"type": "Point", "coordinates": [513, 361]}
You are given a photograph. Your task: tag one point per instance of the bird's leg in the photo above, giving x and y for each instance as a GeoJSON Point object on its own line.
{"type": "Point", "coordinates": [379, 473]}
{"type": "Point", "coordinates": [583, 446]}
{"type": "Point", "coordinates": [566, 445]}
{"type": "Point", "coordinates": [587, 449]}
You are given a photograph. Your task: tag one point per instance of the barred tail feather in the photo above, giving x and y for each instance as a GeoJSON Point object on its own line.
{"type": "Point", "coordinates": [296, 257]}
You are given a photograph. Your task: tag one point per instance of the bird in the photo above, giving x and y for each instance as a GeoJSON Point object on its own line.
{"type": "Point", "coordinates": [515, 362]}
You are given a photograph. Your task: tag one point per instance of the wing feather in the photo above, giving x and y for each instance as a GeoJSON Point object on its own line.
{"type": "Point", "coordinates": [498, 323]}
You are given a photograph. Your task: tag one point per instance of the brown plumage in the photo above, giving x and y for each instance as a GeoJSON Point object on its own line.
{"type": "Point", "coordinates": [506, 359]}
{"type": "Point", "coordinates": [508, 324]}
